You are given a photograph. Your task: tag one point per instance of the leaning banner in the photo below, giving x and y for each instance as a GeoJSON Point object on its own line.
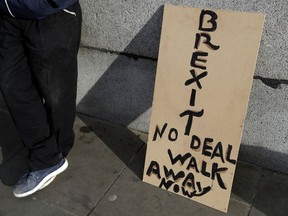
{"type": "Point", "coordinates": [204, 76]}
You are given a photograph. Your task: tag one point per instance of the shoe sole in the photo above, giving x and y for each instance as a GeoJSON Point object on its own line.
{"type": "Point", "coordinates": [45, 181]}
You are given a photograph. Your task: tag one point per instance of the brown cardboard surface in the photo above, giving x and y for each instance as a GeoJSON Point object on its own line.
{"type": "Point", "coordinates": [222, 95]}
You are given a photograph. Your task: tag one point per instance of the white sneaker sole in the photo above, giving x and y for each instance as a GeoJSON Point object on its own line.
{"type": "Point", "coordinates": [45, 181]}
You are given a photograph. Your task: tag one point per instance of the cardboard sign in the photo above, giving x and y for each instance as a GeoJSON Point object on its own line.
{"type": "Point", "coordinates": [204, 76]}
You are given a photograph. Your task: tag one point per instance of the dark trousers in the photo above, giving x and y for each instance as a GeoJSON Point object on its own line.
{"type": "Point", "coordinates": [38, 81]}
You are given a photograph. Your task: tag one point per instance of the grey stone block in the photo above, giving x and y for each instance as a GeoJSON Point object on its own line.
{"type": "Point", "coordinates": [265, 138]}
{"type": "Point", "coordinates": [116, 88]}
{"type": "Point", "coordinates": [271, 198]}
{"type": "Point", "coordinates": [134, 27]}
{"type": "Point", "coordinates": [272, 59]}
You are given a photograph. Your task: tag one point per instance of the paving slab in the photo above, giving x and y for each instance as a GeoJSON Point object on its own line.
{"type": "Point", "coordinates": [10, 206]}
{"type": "Point", "coordinates": [130, 196]}
{"type": "Point", "coordinates": [272, 196]}
{"type": "Point", "coordinates": [93, 167]}
{"type": "Point", "coordinates": [122, 141]}
{"type": "Point", "coordinates": [246, 180]}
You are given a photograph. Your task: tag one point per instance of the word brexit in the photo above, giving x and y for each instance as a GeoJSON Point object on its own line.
{"type": "Point", "coordinates": [191, 167]}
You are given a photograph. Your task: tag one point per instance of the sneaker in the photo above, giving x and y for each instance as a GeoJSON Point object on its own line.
{"type": "Point", "coordinates": [37, 180]}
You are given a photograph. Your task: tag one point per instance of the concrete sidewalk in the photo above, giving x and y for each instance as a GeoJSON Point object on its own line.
{"type": "Point", "coordinates": [104, 179]}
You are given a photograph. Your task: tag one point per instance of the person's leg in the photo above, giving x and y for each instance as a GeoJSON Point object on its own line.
{"type": "Point", "coordinates": [52, 46]}
{"type": "Point", "coordinates": [22, 98]}
{"type": "Point", "coordinates": [38, 75]}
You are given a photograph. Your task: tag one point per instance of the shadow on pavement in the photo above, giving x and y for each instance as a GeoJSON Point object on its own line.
{"type": "Point", "coordinates": [265, 157]}
{"type": "Point", "coordinates": [121, 141]}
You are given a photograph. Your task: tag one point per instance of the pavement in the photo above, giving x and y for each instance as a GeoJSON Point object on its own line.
{"type": "Point", "coordinates": [104, 179]}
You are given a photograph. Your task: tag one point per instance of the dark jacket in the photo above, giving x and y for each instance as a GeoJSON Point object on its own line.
{"type": "Point", "coordinates": [33, 9]}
